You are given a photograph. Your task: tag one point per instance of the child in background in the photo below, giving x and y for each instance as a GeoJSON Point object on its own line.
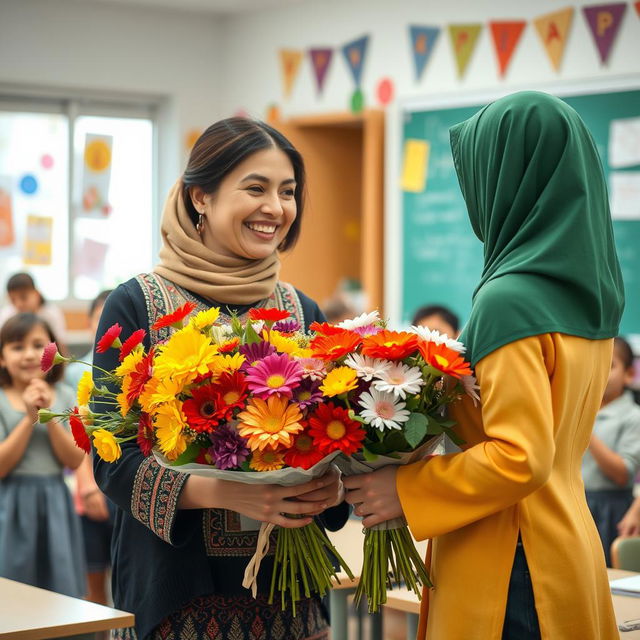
{"type": "Point", "coordinates": [39, 530]}
{"type": "Point", "coordinates": [437, 318]}
{"type": "Point", "coordinates": [95, 511]}
{"type": "Point", "coordinates": [610, 464]}
{"type": "Point", "coordinates": [24, 297]}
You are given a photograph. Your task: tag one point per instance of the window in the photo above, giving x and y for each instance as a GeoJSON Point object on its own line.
{"type": "Point", "coordinates": [45, 228]}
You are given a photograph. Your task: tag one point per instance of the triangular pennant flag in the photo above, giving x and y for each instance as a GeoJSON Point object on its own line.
{"type": "Point", "coordinates": [423, 39]}
{"type": "Point", "coordinates": [553, 29]}
{"type": "Point", "coordinates": [604, 21]}
{"type": "Point", "coordinates": [464, 38]}
{"type": "Point", "coordinates": [354, 53]}
{"type": "Point", "coordinates": [320, 61]}
{"type": "Point", "coordinates": [506, 36]}
{"type": "Point", "coordinates": [290, 60]}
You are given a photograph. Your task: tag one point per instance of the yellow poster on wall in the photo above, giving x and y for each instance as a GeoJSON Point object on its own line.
{"type": "Point", "coordinates": [415, 166]}
{"type": "Point", "coordinates": [37, 242]}
{"type": "Point", "coordinates": [553, 29]}
{"type": "Point", "coordinates": [96, 176]}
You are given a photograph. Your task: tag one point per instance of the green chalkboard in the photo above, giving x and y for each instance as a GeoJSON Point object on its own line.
{"type": "Point", "coordinates": [442, 258]}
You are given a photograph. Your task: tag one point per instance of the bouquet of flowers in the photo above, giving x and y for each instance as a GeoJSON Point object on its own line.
{"type": "Point", "coordinates": [244, 402]}
{"type": "Point", "coordinates": [393, 385]}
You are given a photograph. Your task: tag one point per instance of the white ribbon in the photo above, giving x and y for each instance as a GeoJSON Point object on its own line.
{"type": "Point", "coordinates": [250, 580]}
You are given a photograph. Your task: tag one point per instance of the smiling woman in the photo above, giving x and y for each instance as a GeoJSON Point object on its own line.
{"type": "Point", "coordinates": [238, 203]}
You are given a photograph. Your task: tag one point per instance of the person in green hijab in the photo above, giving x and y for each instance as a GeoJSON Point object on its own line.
{"type": "Point", "coordinates": [515, 553]}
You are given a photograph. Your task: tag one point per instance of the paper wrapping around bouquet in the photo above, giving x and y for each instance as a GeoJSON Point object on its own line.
{"type": "Point", "coordinates": [357, 465]}
{"type": "Point", "coordinates": [288, 477]}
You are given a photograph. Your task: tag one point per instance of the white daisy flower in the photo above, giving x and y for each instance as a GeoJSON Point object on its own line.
{"type": "Point", "coordinates": [366, 367]}
{"type": "Point", "coordinates": [362, 320]}
{"type": "Point", "coordinates": [431, 335]}
{"type": "Point", "coordinates": [400, 380]}
{"type": "Point", "coordinates": [382, 410]}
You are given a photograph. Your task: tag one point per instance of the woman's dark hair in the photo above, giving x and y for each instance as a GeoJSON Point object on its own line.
{"type": "Point", "coordinates": [21, 281]}
{"type": "Point", "coordinates": [624, 351]}
{"type": "Point", "coordinates": [223, 146]}
{"type": "Point", "coordinates": [99, 300]}
{"type": "Point", "coordinates": [436, 310]}
{"type": "Point", "coordinates": [16, 329]}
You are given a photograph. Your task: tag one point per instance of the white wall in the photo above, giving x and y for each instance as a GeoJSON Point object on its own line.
{"type": "Point", "coordinates": [251, 72]}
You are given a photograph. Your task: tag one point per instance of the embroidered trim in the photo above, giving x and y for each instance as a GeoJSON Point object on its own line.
{"type": "Point", "coordinates": [154, 500]}
{"type": "Point", "coordinates": [224, 537]}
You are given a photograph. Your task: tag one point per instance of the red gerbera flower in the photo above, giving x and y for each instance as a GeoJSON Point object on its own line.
{"type": "Point", "coordinates": [203, 409]}
{"type": "Point", "coordinates": [145, 434]}
{"type": "Point", "coordinates": [333, 430]}
{"type": "Point", "coordinates": [232, 391]}
{"type": "Point", "coordinates": [390, 345]}
{"type": "Point", "coordinates": [335, 346]}
{"type": "Point", "coordinates": [229, 345]}
{"type": "Point", "coordinates": [325, 328]}
{"type": "Point", "coordinates": [444, 359]}
{"type": "Point", "coordinates": [267, 315]}
{"type": "Point", "coordinates": [51, 356]}
{"type": "Point", "coordinates": [111, 338]}
{"type": "Point", "coordinates": [78, 431]}
{"type": "Point", "coordinates": [303, 452]}
{"type": "Point", "coordinates": [140, 376]}
{"type": "Point", "coordinates": [175, 318]}
{"type": "Point", "coordinates": [131, 343]}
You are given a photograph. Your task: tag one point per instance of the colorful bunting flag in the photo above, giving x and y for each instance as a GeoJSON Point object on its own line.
{"type": "Point", "coordinates": [320, 60]}
{"type": "Point", "coordinates": [354, 53]}
{"type": "Point", "coordinates": [506, 36]}
{"type": "Point", "coordinates": [290, 60]}
{"type": "Point", "coordinates": [423, 40]}
{"type": "Point", "coordinates": [604, 20]}
{"type": "Point", "coordinates": [464, 38]}
{"type": "Point", "coordinates": [553, 29]}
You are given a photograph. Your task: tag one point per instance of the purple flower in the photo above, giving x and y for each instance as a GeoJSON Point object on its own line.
{"type": "Point", "coordinates": [287, 326]}
{"type": "Point", "coordinates": [255, 352]}
{"type": "Point", "coordinates": [308, 393]}
{"type": "Point", "coordinates": [367, 330]}
{"type": "Point", "coordinates": [276, 373]}
{"type": "Point", "coordinates": [228, 448]}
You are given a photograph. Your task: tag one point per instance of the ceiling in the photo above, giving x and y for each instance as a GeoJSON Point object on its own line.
{"type": "Point", "coordinates": [220, 7]}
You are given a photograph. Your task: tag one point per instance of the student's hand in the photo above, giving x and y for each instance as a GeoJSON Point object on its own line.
{"type": "Point", "coordinates": [374, 495]}
{"type": "Point", "coordinates": [95, 506]}
{"type": "Point", "coordinates": [37, 395]}
{"type": "Point", "coordinates": [331, 494]}
{"type": "Point", "coordinates": [630, 524]}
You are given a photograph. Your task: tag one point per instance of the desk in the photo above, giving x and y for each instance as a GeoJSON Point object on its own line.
{"type": "Point", "coordinates": [30, 613]}
{"type": "Point", "coordinates": [625, 607]}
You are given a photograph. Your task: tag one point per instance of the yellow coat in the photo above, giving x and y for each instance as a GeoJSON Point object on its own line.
{"type": "Point", "coordinates": [520, 471]}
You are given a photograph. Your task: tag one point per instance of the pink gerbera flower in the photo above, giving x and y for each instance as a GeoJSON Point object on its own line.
{"type": "Point", "coordinates": [276, 373]}
{"type": "Point", "coordinates": [51, 356]}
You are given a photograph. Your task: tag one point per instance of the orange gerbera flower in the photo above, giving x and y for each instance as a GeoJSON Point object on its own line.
{"type": "Point", "coordinates": [325, 328]}
{"type": "Point", "coordinates": [390, 345]}
{"type": "Point", "coordinates": [229, 345]}
{"type": "Point", "coordinates": [444, 359]}
{"type": "Point", "coordinates": [267, 460]}
{"type": "Point", "coordinates": [269, 423]}
{"type": "Point", "coordinates": [333, 430]}
{"type": "Point", "coordinates": [334, 346]}
{"type": "Point", "coordinates": [175, 318]}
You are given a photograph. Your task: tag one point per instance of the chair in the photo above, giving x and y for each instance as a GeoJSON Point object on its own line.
{"type": "Point", "coordinates": [625, 553]}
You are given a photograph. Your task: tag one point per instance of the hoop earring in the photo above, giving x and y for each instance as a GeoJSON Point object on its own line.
{"type": "Point", "coordinates": [200, 224]}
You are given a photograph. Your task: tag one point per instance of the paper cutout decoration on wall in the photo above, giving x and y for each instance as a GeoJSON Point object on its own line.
{"type": "Point", "coordinates": [604, 20]}
{"type": "Point", "coordinates": [423, 40]}
{"type": "Point", "coordinates": [415, 166]}
{"type": "Point", "coordinates": [7, 234]}
{"type": "Point", "coordinates": [190, 138]}
{"type": "Point", "coordinates": [320, 61]}
{"type": "Point", "coordinates": [96, 176]}
{"type": "Point", "coordinates": [624, 143]}
{"type": "Point", "coordinates": [47, 161]}
{"type": "Point", "coordinates": [384, 91]}
{"type": "Point", "coordinates": [464, 38]}
{"type": "Point", "coordinates": [553, 29]}
{"type": "Point", "coordinates": [28, 184]}
{"type": "Point", "coordinates": [273, 113]}
{"type": "Point", "coordinates": [90, 258]}
{"type": "Point", "coordinates": [506, 36]}
{"type": "Point", "coordinates": [37, 242]}
{"type": "Point", "coordinates": [354, 53]}
{"type": "Point", "coordinates": [290, 60]}
{"type": "Point", "coordinates": [357, 101]}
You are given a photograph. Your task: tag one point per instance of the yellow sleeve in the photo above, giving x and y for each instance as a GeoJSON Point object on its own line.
{"type": "Point", "coordinates": [513, 459]}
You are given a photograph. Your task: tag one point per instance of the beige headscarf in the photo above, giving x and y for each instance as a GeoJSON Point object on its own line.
{"type": "Point", "coordinates": [187, 262]}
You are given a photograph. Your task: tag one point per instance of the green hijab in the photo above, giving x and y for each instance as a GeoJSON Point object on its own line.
{"type": "Point", "coordinates": [537, 198]}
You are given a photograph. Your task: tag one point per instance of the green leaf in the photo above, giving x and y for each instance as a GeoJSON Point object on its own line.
{"type": "Point", "coordinates": [369, 455]}
{"type": "Point", "coordinates": [250, 335]}
{"type": "Point", "coordinates": [415, 429]}
{"type": "Point", "coordinates": [390, 441]}
{"type": "Point", "coordinates": [188, 455]}
{"type": "Point", "coordinates": [236, 326]}
{"type": "Point", "coordinates": [434, 427]}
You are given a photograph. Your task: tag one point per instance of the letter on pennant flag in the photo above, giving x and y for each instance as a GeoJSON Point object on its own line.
{"type": "Point", "coordinates": [553, 29]}
{"type": "Point", "coordinates": [290, 60]}
{"type": "Point", "coordinates": [423, 40]}
{"type": "Point", "coordinates": [604, 20]}
{"type": "Point", "coordinates": [354, 53]}
{"type": "Point", "coordinates": [506, 36]}
{"type": "Point", "coordinates": [464, 38]}
{"type": "Point", "coordinates": [320, 61]}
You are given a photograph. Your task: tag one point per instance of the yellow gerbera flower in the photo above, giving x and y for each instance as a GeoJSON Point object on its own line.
{"type": "Point", "coordinates": [170, 422]}
{"type": "Point", "coordinates": [280, 342]}
{"type": "Point", "coordinates": [339, 380]}
{"type": "Point", "coordinates": [158, 391]}
{"type": "Point", "coordinates": [106, 445]}
{"type": "Point", "coordinates": [186, 355]}
{"type": "Point", "coordinates": [267, 460]}
{"type": "Point", "coordinates": [205, 319]}
{"type": "Point", "coordinates": [85, 388]}
{"type": "Point", "coordinates": [122, 398]}
{"type": "Point", "coordinates": [270, 423]}
{"type": "Point", "coordinates": [230, 363]}
{"type": "Point", "coordinates": [130, 363]}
